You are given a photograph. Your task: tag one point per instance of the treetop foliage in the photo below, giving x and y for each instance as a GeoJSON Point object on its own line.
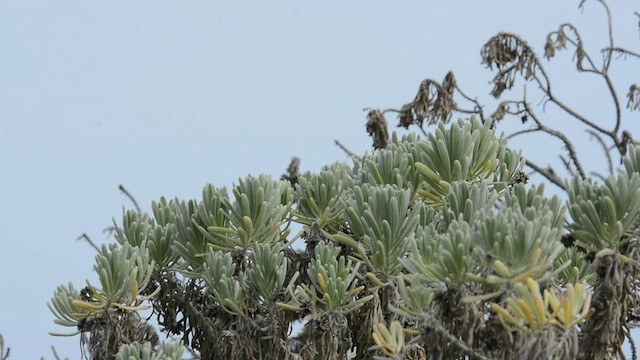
{"type": "Point", "coordinates": [431, 246]}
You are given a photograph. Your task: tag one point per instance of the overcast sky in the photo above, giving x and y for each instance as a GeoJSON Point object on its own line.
{"type": "Point", "coordinates": [164, 97]}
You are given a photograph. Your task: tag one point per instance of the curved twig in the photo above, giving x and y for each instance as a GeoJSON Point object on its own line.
{"type": "Point", "coordinates": [347, 151]}
{"type": "Point", "coordinates": [567, 165]}
{"type": "Point", "coordinates": [616, 102]}
{"type": "Point", "coordinates": [597, 175]}
{"type": "Point", "coordinates": [568, 144]}
{"type": "Point", "coordinates": [388, 110]}
{"type": "Point", "coordinates": [479, 108]}
{"type": "Point", "coordinates": [579, 117]}
{"type": "Point", "coordinates": [55, 354]}
{"type": "Point", "coordinates": [604, 148]}
{"type": "Point", "coordinates": [610, 32]}
{"type": "Point", "coordinates": [128, 194]}
{"type": "Point", "coordinates": [547, 173]}
{"type": "Point", "coordinates": [578, 44]}
{"type": "Point", "coordinates": [398, 112]}
{"type": "Point", "coordinates": [621, 51]}
{"type": "Point", "coordinates": [521, 132]}
{"type": "Point", "coordinates": [86, 238]}
{"type": "Point", "coordinates": [603, 72]}
{"type": "Point", "coordinates": [4, 354]}
{"type": "Point", "coordinates": [545, 86]}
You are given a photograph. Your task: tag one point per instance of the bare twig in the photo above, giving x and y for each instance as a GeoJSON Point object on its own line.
{"type": "Point", "coordinates": [547, 173]}
{"type": "Point", "coordinates": [605, 149]}
{"type": "Point", "coordinates": [506, 48]}
{"type": "Point", "coordinates": [465, 111]}
{"type": "Point", "coordinates": [402, 113]}
{"type": "Point", "coordinates": [478, 108]}
{"type": "Point", "coordinates": [558, 39]}
{"type": "Point", "coordinates": [4, 355]}
{"type": "Point", "coordinates": [522, 132]}
{"type": "Point", "coordinates": [512, 57]}
{"type": "Point", "coordinates": [344, 148]}
{"type": "Point", "coordinates": [567, 165]}
{"type": "Point", "coordinates": [616, 103]}
{"type": "Point", "coordinates": [124, 191]}
{"type": "Point", "coordinates": [610, 32]}
{"type": "Point", "coordinates": [597, 175]}
{"type": "Point", "coordinates": [522, 107]}
{"type": "Point", "coordinates": [86, 238]}
{"type": "Point", "coordinates": [621, 51]}
{"type": "Point", "coordinates": [609, 28]}
{"type": "Point", "coordinates": [555, 133]}
{"type": "Point", "coordinates": [577, 116]}
{"type": "Point", "coordinates": [55, 354]}
{"type": "Point", "coordinates": [388, 110]}
{"type": "Point", "coordinates": [109, 230]}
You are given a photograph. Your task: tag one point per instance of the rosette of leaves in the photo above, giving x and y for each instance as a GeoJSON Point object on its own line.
{"type": "Point", "coordinates": [162, 236]}
{"type": "Point", "coordinates": [219, 273]}
{"type": "Point", "coordinates": [579, 269]}
{"type": "Point", "coordinates": [390, 341]}
{"type": "Point", "coordinates": [137, 351]}
{"type": "Point", "coordinates": [213, 211]}
{"type": "Point", "coordinates": [531, 309]}
{"type": "Point", "coordinates": [393, 165]}
{"type": "Point", "coordinates": [532, 199]}
{"type": "Point", "coordinates": [382, 220]}
{"type": "Point", "coordinates": [318, 198]}
{"type": "Point", "coordinates": [248, 293]}
{"type": "Point", "coordinates": [257, 215]}
{"type": "Point", "coordinates": [189, 219]}
{"type": "Point", "coordinates": [334, 285]}
{"type": "Point", "coordinates": [329, 296]}
{"type": "Point", "coordinates": [109, 313]}
{"type": "Point", "coordinates": [63, 308]}
{"type": "Point", "coordinates": [124, 273]}
{"type": "Point", "coordinates": [544, 323]}
{"type": "Point", "coordinates": [341, 168]}
{"type": "Point", "coordinates": [138, 229]}
{"type": "Point", "coordinates": [190, 244]}
{"type": "Point", "coordinates": [632, 159]}
{"type": "Point", "coordinates": [135, 228]}
{"type": "Point", "coordinates": [442, 260]}
{"type": "Point", "coordinates": [267, 273]}
{"type": "Point", "coordinates": [604, 215]}
{"type": "Point", "coordinates": [519, 242]}
{"type": "Point", "coordinates": [466, 151]}
{"type": "Point", "coordinates": [416, 296]}
{"type": "Point", "coordinates": [465, 200]}
{"type": "Point", "coordinates": [605, 223]}
{"type": "Point", "coordinates": [407, 142]}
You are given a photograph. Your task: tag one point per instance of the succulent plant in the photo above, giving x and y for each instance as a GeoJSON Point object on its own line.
{"type": "Point", "coordinates": [428, 246]}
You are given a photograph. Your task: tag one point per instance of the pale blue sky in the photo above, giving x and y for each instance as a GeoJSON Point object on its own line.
{"type": "Point", "coordinates": [164, 97]}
